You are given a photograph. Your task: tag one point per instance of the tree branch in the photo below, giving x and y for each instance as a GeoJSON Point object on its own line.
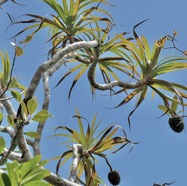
{"type": "Point", "coordinates": [45, 106]}
{"type": "Point", "coordinates": [48, 64]}
{"type": "Point", "coordinates": [7, 104]}
{"type": "Point", "coordinates": [2, 2]}
{"type": "Point", "coordinates": [77, 151]}
{"type": "Point", "coordinates": [23, 146]}
{"type": "Point", "coordinates": [8, 130]}
{"type": "Point", "coordinates": [109, 86]}
{"type": "Point", "coordinates": [57, 181]}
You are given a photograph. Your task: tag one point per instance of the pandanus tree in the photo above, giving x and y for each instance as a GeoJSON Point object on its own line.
{"type": "Point", "coordinates": [80, 38]}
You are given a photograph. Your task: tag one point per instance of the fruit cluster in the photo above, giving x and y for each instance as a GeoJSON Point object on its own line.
{"type": "Point", "coordinates": [176, 123]}
{"type": "Point", "coordinates": [114, 177]}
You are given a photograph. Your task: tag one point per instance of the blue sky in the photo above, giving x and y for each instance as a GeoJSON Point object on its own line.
{"type": "Point", "coordinates": [161, 155]}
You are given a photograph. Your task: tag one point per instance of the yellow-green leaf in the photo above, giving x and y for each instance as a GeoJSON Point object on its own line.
{"type": "Point", "coordinates": [32, 134]}
{"type": "Point", "coordinates": [41, 116]}
{"type": "Point", "coordinates": [19, 51]}
{"type": "Point", "coordinates": [16, 95]}
{"type": "Point", "coordinates": [32, 106]}
{"type": "Point", "coordinates": [2, 145]}
{"type": "Point", "coordinates": [1, 118]}
{"type": "Point", "coordinates": [24, 110]}
{"type": "Point", "coordinates": [10, 120]}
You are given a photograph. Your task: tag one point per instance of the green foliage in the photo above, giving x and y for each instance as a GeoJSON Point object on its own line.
{"type": "Point", "coordinates": [149, 67]}
{"type": "Point", "coordinates": [16, 95]}
{"type": "Point", "coordinates": [41, 116]}
{"type": "Point", "coordinates": [170, 110]}
{"type": "Point", "coordinates": [5, 74]}
{"type": "Point", "coordinates": [2, 145]}
{"type": "Point", "coordinates": [93, 144]}
{"type": "Point", "coordinates": [8, 82]}
{"type": "Point", "coordinates": [1, 117]}
{"type": "Point", "coordinates": [110, 67]}
{"type": "Point", "coordinates": [32, 106]}
{"type": "Point", "coordinates": [25, 174]}
{"type": "Point", "coordinates": [32, 134]}
{"type": "Point", "coordinates": [127, 58]}
{"type": "Point", "coordinates": [72, 19]}
{"type": "Point", "coordinates": [28, 111]}
{"type": "Point", "coordinates": [10, 120]}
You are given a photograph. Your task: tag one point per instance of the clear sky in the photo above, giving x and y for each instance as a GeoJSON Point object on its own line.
{"type": "Point", "coordinates": [161, 155]}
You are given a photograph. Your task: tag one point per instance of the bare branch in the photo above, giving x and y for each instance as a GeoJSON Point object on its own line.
{"type": "Point", "coordinates": [7, 104]}
{"type": "Point", "coordinates": [48, 64]}
{"type": "Point", "coordinates": [77, 150]}
{"type": "Point", "coordinates": [2, 2]}
{"type": "Point", "coordinates": [45, 106]}
{"type": "Point", "coordinates": [12, 155]}
{"type": "Point", "coordinates": [23, 146]}
{"type": "Point", "coordinates": [8, 130]}
{"type": "Point", "coordinates": [57, 181]}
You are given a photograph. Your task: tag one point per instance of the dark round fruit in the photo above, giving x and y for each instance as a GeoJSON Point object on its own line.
{"type": "Point", "coordinates": [114, 177]}
{"type": "Point", "coordinates": [176, 124]}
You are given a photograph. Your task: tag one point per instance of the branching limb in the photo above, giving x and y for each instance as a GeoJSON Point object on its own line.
{"type": "Point", "coordinates": [77, 153]}
{"type": "Point", "coordinates": [23, 146]}
{"type": "Point", "coordinates": [48, 64]}
{"type": "Point", "coordinates": [57, 181]}
{"type": "Point", "coordinates": [45, 106]}
{"type": "Point", "coordinates": [20, 140]}
{"type": "Point", "coordinates": [112, 84]}
{"type": "Point", "coordinates": [60, 55]}
{"type": "Point", "coordinates": [7, 104]}
{"type": "Point", "coordinates": [8, 130]}
{"type": "Point", "coordinates": [12, 155]}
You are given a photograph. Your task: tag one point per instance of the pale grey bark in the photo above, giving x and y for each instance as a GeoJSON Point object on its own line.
{"type": "Point", "coordinates": [77, 148]}
{"type": "Point", "coordinates": [48, 64]}
{"type": "Point", "coordinates": [2, 2]}
{"type": "Point", "coordinates": [46, 101]}
{"type": "Point", "coordinates": [8, 130]}
{"type": "Point", "coordinates": [45, 70]}
{"type": "Point", "coordinates": [112, 84]}
{"type": "Point", "coordinates": [6, 103]}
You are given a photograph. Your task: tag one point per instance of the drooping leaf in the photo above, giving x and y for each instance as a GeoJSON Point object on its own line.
{"type": "Point", "coordinates": [134, 32]}
{"type": "Point", "coordinates": [174, 105]}
{"type": "Point", "coordinates": [16, 95]}
{"type": "Point", "coordinates": [76, 79]}
{"type": "Point", "coordinates": [65, 154]}
{"type": "Point", "coordinates": [19, 51]}
{"type": "Point", "coordinates": [164, 109]}
{"type": "Point", "coordinates": [130, 96]}
{"type": "Point", "coordinates": [5, 67]}
{"type": "Point", "coordinates": [140, 100]}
